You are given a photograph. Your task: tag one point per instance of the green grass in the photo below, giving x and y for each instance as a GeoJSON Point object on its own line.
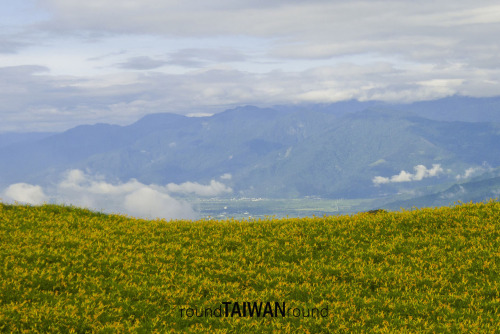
{"type": "Point", "coordinates": [65, 269]}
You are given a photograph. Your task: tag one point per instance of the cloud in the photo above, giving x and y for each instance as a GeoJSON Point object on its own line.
{"type": "Point", "coordinates": [213, 189]}
{"type": "Point", "coordinates": [421, 172]}
{"type": "Point", "coordinates": [191, 17]}
{"type": "Point", "coordinates": [434, 31]}
{"type": "Point", "coordinates": [142, 63]}
{"type": "Point", "coordinates": [178, 18]}
{"type": "Point", "coordinates": [199, 114]}
{"type": "Point", "coordinates": [152, 203]}
{"type": "Point", "coordinates": [226, 176]}
{"type": "Point", "coordinates": [191, 58]}
{"type": "Point", "coordinates": [473, 171]}
{"type": "Point", "coordinates": [199, 57]}
{"type": "Point", "coordinates": [10, 46]}
{"type": "Point", "coordinates": [25, 193]}
{"type": "Point", "coordinates": [132, 197]}
{"type": "Point", "coordinates": [113, 62]}
{"type": "Point", "coordinates": [468, 173]}
{"type": "Point", "coordinates": [35, 100]}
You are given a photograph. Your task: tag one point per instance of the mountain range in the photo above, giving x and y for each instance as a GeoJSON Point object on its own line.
{"type": "Point", "coordinates": [348, 149]}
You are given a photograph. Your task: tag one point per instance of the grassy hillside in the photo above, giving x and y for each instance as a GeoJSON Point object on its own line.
{"type": "Point", "coordinates": [65, 269]}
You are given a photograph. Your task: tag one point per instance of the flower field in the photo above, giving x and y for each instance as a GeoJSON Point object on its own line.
{"type": "Point", "coordinates": [71, 270]}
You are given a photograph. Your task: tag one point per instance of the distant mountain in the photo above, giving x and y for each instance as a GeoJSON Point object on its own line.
{"type": "Point", "coordinates": [330, 151]}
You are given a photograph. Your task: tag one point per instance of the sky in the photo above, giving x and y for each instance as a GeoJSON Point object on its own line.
{"type": "Point", "coordinates": [69, 62]}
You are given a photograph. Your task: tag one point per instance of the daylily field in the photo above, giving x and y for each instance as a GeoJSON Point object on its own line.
{"type": "Point", "coordinates": [70, 270]}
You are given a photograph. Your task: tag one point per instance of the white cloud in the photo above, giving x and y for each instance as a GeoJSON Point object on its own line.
{"type": "Point", "coordinates": [25, 193]}
{"type": "Point", "coordinates": [132, 197]}
{"type": "Point", "coordinates": [148, 202]}
{"type": "Point", "coordinates": [199, 114]}
{"type": "Point", "coordinates": [473, 171]}
{"type": "Point", "coordinates": [421, 172]}
{"type": "Point", "coordinates": [468, 173]}
{"type": "Point", "coordinates": [213, 189]}
{"type": "Point", "coordinates": [403, 176]}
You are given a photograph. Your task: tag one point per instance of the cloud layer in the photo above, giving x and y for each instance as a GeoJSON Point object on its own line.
{"type": "Point", "coordinates": [68, 62]}
{"type": "Point", "coordinates": [55, 103]}
{"type": "Point", "coordinates": [440, 31]}
{"type": "Point", "coordinates": [421, 172]}
{"type": "Point", "coordinates": [133, 197]}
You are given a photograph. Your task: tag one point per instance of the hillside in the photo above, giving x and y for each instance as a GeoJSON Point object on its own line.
{"type": "Point", "coordinates": [432, 270]}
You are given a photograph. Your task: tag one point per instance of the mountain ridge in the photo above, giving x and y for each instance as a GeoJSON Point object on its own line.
{"type": "Point", "coordinates": [271, 152]}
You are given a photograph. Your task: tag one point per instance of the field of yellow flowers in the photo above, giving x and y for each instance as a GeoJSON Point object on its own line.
{"type": "Point", "coordinates": [71, 270]}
